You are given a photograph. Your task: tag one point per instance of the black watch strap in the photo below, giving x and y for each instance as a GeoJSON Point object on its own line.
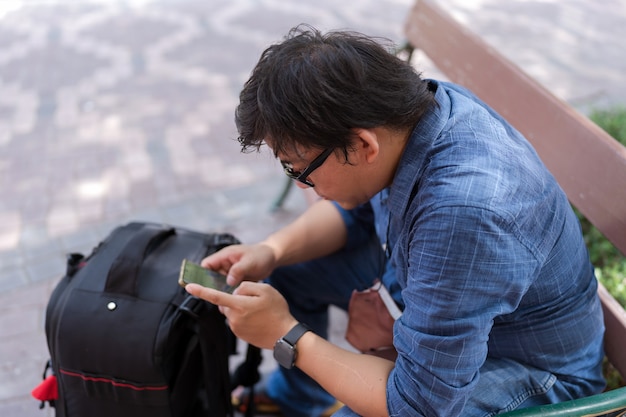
{"type": "Point", "coordinates": [296, 333]}
{"type": "Point", "coordinates": [285, 351]}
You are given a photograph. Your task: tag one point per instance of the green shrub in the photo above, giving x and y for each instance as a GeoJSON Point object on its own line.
{"type": "Point", "coordinates": [613, 121]}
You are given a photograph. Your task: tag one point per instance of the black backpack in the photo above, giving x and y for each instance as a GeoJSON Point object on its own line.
{"type": "Point", "coordinates": [126, 340]}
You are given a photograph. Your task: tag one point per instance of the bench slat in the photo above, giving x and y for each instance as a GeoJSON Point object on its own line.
{"type": "Point", "coordinates": [615, 323]}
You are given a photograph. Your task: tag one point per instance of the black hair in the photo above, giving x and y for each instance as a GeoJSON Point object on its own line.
{"type": "Point", "coordinates": [313, 89]}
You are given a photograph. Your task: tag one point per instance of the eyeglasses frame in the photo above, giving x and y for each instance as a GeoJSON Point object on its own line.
{"type": "Point", "coordinates": [316, 163]}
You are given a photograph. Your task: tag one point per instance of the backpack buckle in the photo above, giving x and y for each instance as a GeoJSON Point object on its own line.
{"type": "Point", "coordinates": [192, 305]}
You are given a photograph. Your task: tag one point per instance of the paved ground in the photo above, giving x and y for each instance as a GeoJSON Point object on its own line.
{"type": "Point", "coordinates": [119, 110]}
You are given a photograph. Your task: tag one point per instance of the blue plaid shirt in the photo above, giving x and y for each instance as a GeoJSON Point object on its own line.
{"type": "Point", "coordinates": [488, 257]}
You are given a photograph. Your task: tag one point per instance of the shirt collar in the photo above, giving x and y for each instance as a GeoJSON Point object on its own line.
{"type": "Point", "coordinates": [415, 155]}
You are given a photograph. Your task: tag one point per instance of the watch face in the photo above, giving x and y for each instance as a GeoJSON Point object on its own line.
{"type": "Point", "coordinates": [285, 354]}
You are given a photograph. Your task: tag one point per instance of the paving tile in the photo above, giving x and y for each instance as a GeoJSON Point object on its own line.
{"type": "Point", "coordinates": [26, 297]}
{"type": "Point", "coordinates": [23, 348]}
{"type": "Point", "coordinates": [46, 268]}
{"type": "Point", "coordinates": [19, 376]}
{"type": "Point", "coordinates": [24, 406]}
{"type": "Point", "coordinates": [82, 240]}
{"type": "Point", "coordinates": [13, 276]}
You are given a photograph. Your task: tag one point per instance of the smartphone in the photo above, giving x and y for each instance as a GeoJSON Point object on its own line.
{"type": "Point", "coordinates": [191, 273]}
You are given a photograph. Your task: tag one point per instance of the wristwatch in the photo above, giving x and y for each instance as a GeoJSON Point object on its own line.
{"type": "Point", "coordinates": [285, 351]}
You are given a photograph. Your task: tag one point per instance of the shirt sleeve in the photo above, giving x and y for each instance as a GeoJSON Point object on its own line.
{"type": "Point", "coordinates": [464, 266]}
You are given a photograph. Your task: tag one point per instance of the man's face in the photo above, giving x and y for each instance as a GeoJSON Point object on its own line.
{"type": "Point", "coordinates": [330, 175]}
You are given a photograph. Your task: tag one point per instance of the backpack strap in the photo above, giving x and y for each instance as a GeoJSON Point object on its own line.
{"type": "Point", "coordinates": [218, 383]}
{"type": "Point", "coordinates": [247, 375]}
{"type": "Point", "coordinates": [123, 275]}
{"type": "Point", "coordinates": [215, 362]}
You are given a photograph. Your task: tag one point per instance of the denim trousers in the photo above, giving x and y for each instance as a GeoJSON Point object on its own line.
{"type": "Point", "coordinates": [311, 287]}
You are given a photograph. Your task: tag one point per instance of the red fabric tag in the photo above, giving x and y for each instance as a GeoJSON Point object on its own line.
{"type": "Point", "coordinates": [48, 389]}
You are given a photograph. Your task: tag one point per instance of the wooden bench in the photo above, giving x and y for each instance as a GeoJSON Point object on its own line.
{"type": "Point", "coordinates": [588, 164]}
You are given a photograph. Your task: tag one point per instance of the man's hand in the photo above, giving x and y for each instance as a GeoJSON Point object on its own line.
{"type": "Point", "coordinates": [256, 312]}
{"type": "Point", "coordinates": [242, 262]}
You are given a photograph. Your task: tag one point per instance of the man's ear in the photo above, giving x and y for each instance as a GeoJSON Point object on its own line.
{"type": "Point", "coordinates": [367, 142]}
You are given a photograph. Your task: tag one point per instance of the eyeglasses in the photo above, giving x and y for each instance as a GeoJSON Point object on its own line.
{"type": "Point", "coordinates": [302, 176]}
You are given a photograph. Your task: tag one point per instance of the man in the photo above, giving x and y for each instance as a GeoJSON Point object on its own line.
{"type": "Point", "coordinates": [426, 187]}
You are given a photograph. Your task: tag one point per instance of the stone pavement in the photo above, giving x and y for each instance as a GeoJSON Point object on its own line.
{"type": "Point", "coordinates": [112, 111]}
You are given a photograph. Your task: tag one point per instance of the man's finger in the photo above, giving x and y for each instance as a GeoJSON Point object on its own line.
{"type": "Point", "coordinates": [251, 288]}
{"type": "Point", "coordinates": [233, 276]}
{"type": "Point", "coordinates": [216, 297]}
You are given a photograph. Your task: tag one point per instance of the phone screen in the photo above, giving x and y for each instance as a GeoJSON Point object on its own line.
{"type": "Point", "coordinates": [191, 273]}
